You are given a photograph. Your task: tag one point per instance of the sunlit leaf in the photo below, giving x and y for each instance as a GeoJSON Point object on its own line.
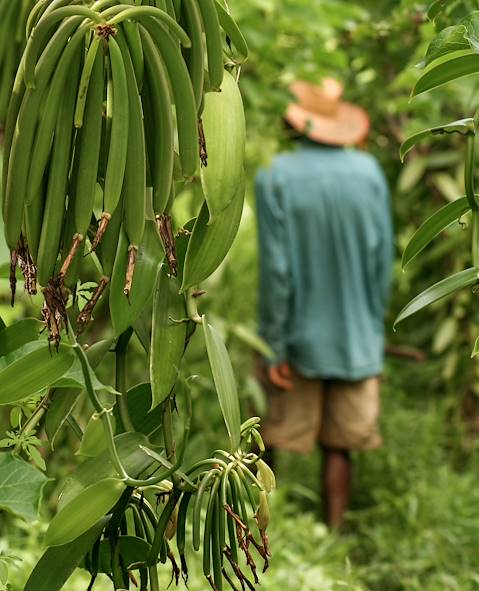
{"type": "Point", "coordinates": [433, 226]}
{"type": "Point", "coordinates": [19, 334]}
{"type": "Point", "coordinates": [451, 69]}
{"type": "Point", "coordinates": [83, 511]}
{"type": "Point", "coordinates": [33, 372]}
{"type": "Point", "coordinates": [225, 383]}
{"type": "Point", "coordinates": [449, 39]}
{"type": "Point", "coordinates": [438, 291]}
{"type": "Point", "coordinates": [462, 126]}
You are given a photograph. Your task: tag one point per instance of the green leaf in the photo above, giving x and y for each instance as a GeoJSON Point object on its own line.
{"type": "Point", "coordinates": [436, 8]}
{"type": "Point", "coordinates": [133, 458]}
{"type": "Point", "coordinates": [168, 336]}
{"type": "Point", "coordinates": [471, 22]}
{"type": "Point", "coordinates": [57, 564]}
{"type": "Point", "coordinates": [209, 243]}
{"type": "Point", "coordinates": [18, 334]}
{"type": "Point", "coordinates": [139, 404]}
{"type": "Point", "coordinates": [438, 291]}
{"type": "Point", "coordinates": [451, 69]}
{"type": "Point", "coordinates": [449, 39]}
{"type": "Point", "coordinates": [225, 382]}
{"type": "Point", "coordinates": [462, 126]}
{"type": "Point", "coordinates": [94, 439]}
{"type": "Point", "coordinates": [33, 372]}
{"type": "Point", "coordinates": [21, 487]}
{"type": "Point", "coordinates": [124, 312]}
{"type": "Point", "coordinates": [83, 511]}
{"type": "Point", "coordinates": [433, 226]}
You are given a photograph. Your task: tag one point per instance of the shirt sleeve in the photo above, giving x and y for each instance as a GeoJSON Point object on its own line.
{"type": "Point", "coordinates": [274, 282]}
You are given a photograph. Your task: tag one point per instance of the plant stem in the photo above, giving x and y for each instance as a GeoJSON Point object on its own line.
{"type": "Point", "coordinates": [120, 378]}
{"type": "Point", "coordinates": [469, 171]}
{"type": "Point", "coordinates": [33, 421]}
{"type": "Point", "coordinates": [192, 307]}
{"type": "Point", "coordinates": [154, 583]}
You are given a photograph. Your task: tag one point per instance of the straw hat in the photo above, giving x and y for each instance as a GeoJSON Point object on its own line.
{"type": "Point", "coordinates": [320, 114]}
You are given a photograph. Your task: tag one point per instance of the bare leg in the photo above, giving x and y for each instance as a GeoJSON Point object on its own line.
{"type": "Point", "coordinates": [336, 485]}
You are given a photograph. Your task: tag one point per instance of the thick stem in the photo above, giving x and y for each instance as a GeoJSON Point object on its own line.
{"type": "Point", "coordinates": [120, 379]}
{"type": "Point", "coordinates": [192, 306]}
{"type": "Point", "coordinates": [475, 238]}
{"type": "Point", "coordinates": [154, 583]}
{"type": "Point", "coordinates": [469, 171]}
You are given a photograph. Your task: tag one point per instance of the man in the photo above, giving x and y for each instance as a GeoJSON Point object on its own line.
{"type": "Point", "coordinates": [325, 241]}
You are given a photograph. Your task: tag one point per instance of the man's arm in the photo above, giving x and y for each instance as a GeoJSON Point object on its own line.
{"type": "Point", "coordinates": [274, 278]}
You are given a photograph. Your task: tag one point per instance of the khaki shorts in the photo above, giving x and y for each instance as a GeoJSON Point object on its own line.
{"type": "Point", "coordinates": [335, 413]}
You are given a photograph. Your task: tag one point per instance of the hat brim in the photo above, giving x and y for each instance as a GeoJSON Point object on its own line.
{"type": "Point", "coordinates": [348, 127]}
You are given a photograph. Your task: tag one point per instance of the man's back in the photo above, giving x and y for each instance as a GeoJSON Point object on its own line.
{"type": "Point", "coordinates": [326, 248]}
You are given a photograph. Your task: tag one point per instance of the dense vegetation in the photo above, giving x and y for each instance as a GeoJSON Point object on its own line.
{"type": "Point", "coordinates": [414, 523]}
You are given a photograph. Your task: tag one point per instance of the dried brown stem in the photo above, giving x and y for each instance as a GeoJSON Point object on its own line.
{"type": "Point", "coordinates": [102, 226]}
{"type": "Point", "coordinates": [84, 318]}
{"type": "Point", "coordinates": [13, 275]}
{"type": "Point", "coordinates": [130, 269]}
{"type": "Point", "coordinates": [165, 228]}
{"type": "Point", "coordinates": [76, 242]}
{"type": "Point", "coordinates": [202, 144]}
{"type": "Point", "coordinates": [176, 572]}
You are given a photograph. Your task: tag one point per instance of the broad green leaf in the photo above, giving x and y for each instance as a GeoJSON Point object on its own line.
{"type": "Point", "coordinates": [471, 22]}
{"type": "Point", "coordinates": [448, 40]}
{"type": "Point", "coordinates": [451, 69]}
{"type": "Point", "coordinates": [63, 400]}
{"type": "Point", "coordinates": [225, 382]}
{"type": "Point", "coordinates": [83, 511]}
{"type": "Point", "coordinates": [462, 126]}
{"type": "Point", "coordinates": [438, 291]}
{"type": "Point", "coordinates": [133, 458]}
{"type": "Point", "coordinates": [250, 338]}
{"type": "Point", "coordinates": [139, 404]}
{"type": "Point", "coordinates": [94, 440]}
{"type": "Point", "coordinates": [224, 127]}
{"type": "Point", "coordinates": [209, 243]}
{"type": "Point", "coordinates": [433, 226]}
{"type": "Point", "coordinates": [124, 312]}
{"type": "Point", "coordinates": [21, 487]}
{"type": "Point", "coordinates": [57, 564]}
{"type": "Point", "coordinates": [18, 334]}
{"type": "Point", "coordinates": [33, 372]}
{"type": "Point", "coordinates": [168, 336]}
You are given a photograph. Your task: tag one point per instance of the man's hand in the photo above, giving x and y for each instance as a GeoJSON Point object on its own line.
{"type": "Point", "coordinates": [281, 376]}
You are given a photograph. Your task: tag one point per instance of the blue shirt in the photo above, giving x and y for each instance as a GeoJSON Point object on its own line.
{"type": "Point", "coordinates": [326, 248]}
